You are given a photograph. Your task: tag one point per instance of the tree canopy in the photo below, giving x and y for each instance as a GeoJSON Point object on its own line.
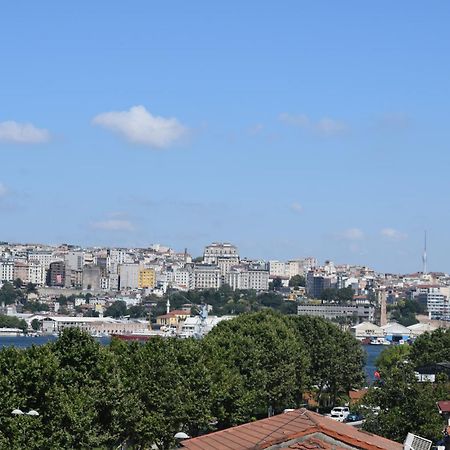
{"type": "Point", "coordinates": [405, 403]}
{"type": "Point", "coordinates": [93, 396]}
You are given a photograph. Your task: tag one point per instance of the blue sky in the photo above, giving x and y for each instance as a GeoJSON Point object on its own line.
{"type": "Point", "coordinates": [290, 128]}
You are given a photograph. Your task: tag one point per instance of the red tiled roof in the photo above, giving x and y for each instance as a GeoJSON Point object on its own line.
{"type": "Point", "coordinates": [357, 395]}
{"type": "Point", "coordinates": [297, 424]}
{"type": "Point", "coordinates": [444, 406]}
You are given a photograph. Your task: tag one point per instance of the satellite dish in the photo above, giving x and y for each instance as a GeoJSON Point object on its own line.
{"type": "Point", "coordinates": [32, 412]}
{"type": "Point", "coordinates": [17, 412]}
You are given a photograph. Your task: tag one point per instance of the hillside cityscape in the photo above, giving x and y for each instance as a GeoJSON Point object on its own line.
{"type": "Point", "coordinates": [224, 225]}
{"type": "Point", "coordinates": [103, 282]}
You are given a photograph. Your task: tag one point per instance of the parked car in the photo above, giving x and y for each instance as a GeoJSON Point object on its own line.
{"type": "Point", "coordinates": [354, 417]}
{"type": "Point", "coordinates": [339, 413]}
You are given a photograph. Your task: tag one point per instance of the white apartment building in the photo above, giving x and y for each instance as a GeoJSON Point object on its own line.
{"type": "Point", "coordinates": [241, 277]}
{"type": "Point", "coordinates": [6, 270]}
{"type": "Point", "coordinates": [206, 276]}
{"type": "Point", "coordinates": [44, 257]}
{"type": "Point", "coordinates": [182, 278]}
{"type": "Point", "coordinates": [437, 299]}
{"type": "Point", "coordinates": [277, 269]}
{"type": "Point", "coordinates": [218, 250]}
{"type": "Point", "coordinates": [36, 273]}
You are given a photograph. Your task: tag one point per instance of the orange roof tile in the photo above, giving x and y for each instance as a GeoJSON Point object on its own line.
{"type": "Point", "coordinates": [297, 424]}
{"type": "Point", "coordinates": [357, 395]}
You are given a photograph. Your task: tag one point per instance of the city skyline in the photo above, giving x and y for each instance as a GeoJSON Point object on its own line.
{"type": "Point", "coordinates": [290, 130]}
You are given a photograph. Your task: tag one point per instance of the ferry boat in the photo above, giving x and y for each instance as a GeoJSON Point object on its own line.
{"type": "Point", "coordinates": [379, 341]}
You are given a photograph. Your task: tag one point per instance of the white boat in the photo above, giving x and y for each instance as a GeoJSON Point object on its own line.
{"type": "Point", "coordinates": [379, 341]}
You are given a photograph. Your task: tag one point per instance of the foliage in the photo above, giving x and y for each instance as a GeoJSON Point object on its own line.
{"type": "Point", "coordinates": [405, 312]}
{"type": "Point", "coordinates": [89, 396]}
{"type": "Point", "coordinates": [391, 357]}
{"type": "Point", "coordinates": [224, 301]}
{"type": "Point", "coordinates": [117, 309]}
{"type": "Point", "coordinates": [276, 284]}
{"type": "Point", "coordinates": [341, 296]}
{"type": "Point", "coordinates": [297, 281]}
{"type": "Point", "coordinates": [267, 357]}
{"type": "Point", "coordinates": [34, 307]}
{"type": "Point", "coordinates": [9, 294]}
{"type": "Point", "coordinates": [12, 322]}
{"type": "Point", "coordinates": [336, 357]}
{"type": "Point", "coordinates": [405, 403]}
{"type": "Point", "coordinates": [31, 288]}
{"type": "Point", "coordinates": [35, 324]}
{"type": "Point", "coordinates": [431, 348]}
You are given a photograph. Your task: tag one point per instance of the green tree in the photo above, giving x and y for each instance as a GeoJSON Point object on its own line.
{"type": "Point", "coordinates": [276, 284]}
{"type": "Point", "coordinates": [344, 295]}
{"type": "Point", "coordinates": [405, 405]}
{"type": "Point", "coordinates": [328, 295]}
{"type": "Point", "coordinates": [35, 324]}
{"type": "Point", "coordinates": [12, 322]}
{"type": "Point", "coordinates": [117, 309]}
{"type": "Point", "coordinates": [266, 362]}
{"type": "Point", "coordinates": [391, 357]}
{"type": "Point", "coordinates": [431, 348]}
{"type": "Point", "coordinates": [297, 281]}
{"type": "Point", "coordinates": [17, 283]}
{"type": "Point", "coordinates": [137, 311]}
{"type": "Point", "coordinates": [337, 358]}
{"type": "Point", "coordinates": [8, 294]}
{"type": "Point", "coordinates": [31, 288]}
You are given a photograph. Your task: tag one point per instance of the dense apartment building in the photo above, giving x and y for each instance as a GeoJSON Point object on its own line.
{"type": "Point", "coordinates": [243, 277]}
{"type": "Point", "coordinates": [436, 299]}
{"type": "Point", "coordinates": [316, 283]}
{"type": "Point", "coordinates": [205, 276]}
{"type": "Point", "coordinates": [146, 279]}
{"type": "Point", "coordinates": [44, 257]}
{"type": "Point", "coordinates": [56, 274]}
{"type": "Point", "coordinates": [6, 270]}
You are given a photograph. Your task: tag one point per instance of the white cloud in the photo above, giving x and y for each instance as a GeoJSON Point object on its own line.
{"type": "Point", "coordinates": [3, 191]}
{"type": "Point", "coordinates": [325, 126]}
{"type": "Point", "coordinates": [352, 234]}
{"type": "Point", "coordinates": [113, 225]}
{"type": "Point", "coordinates": [296, 207]}
{"type": "Point", "coordinates": [139, 126]}
{"type": "Point", "coordinates": [22, 133]}
{"type": "Point", "coordinates": [393, 234]}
